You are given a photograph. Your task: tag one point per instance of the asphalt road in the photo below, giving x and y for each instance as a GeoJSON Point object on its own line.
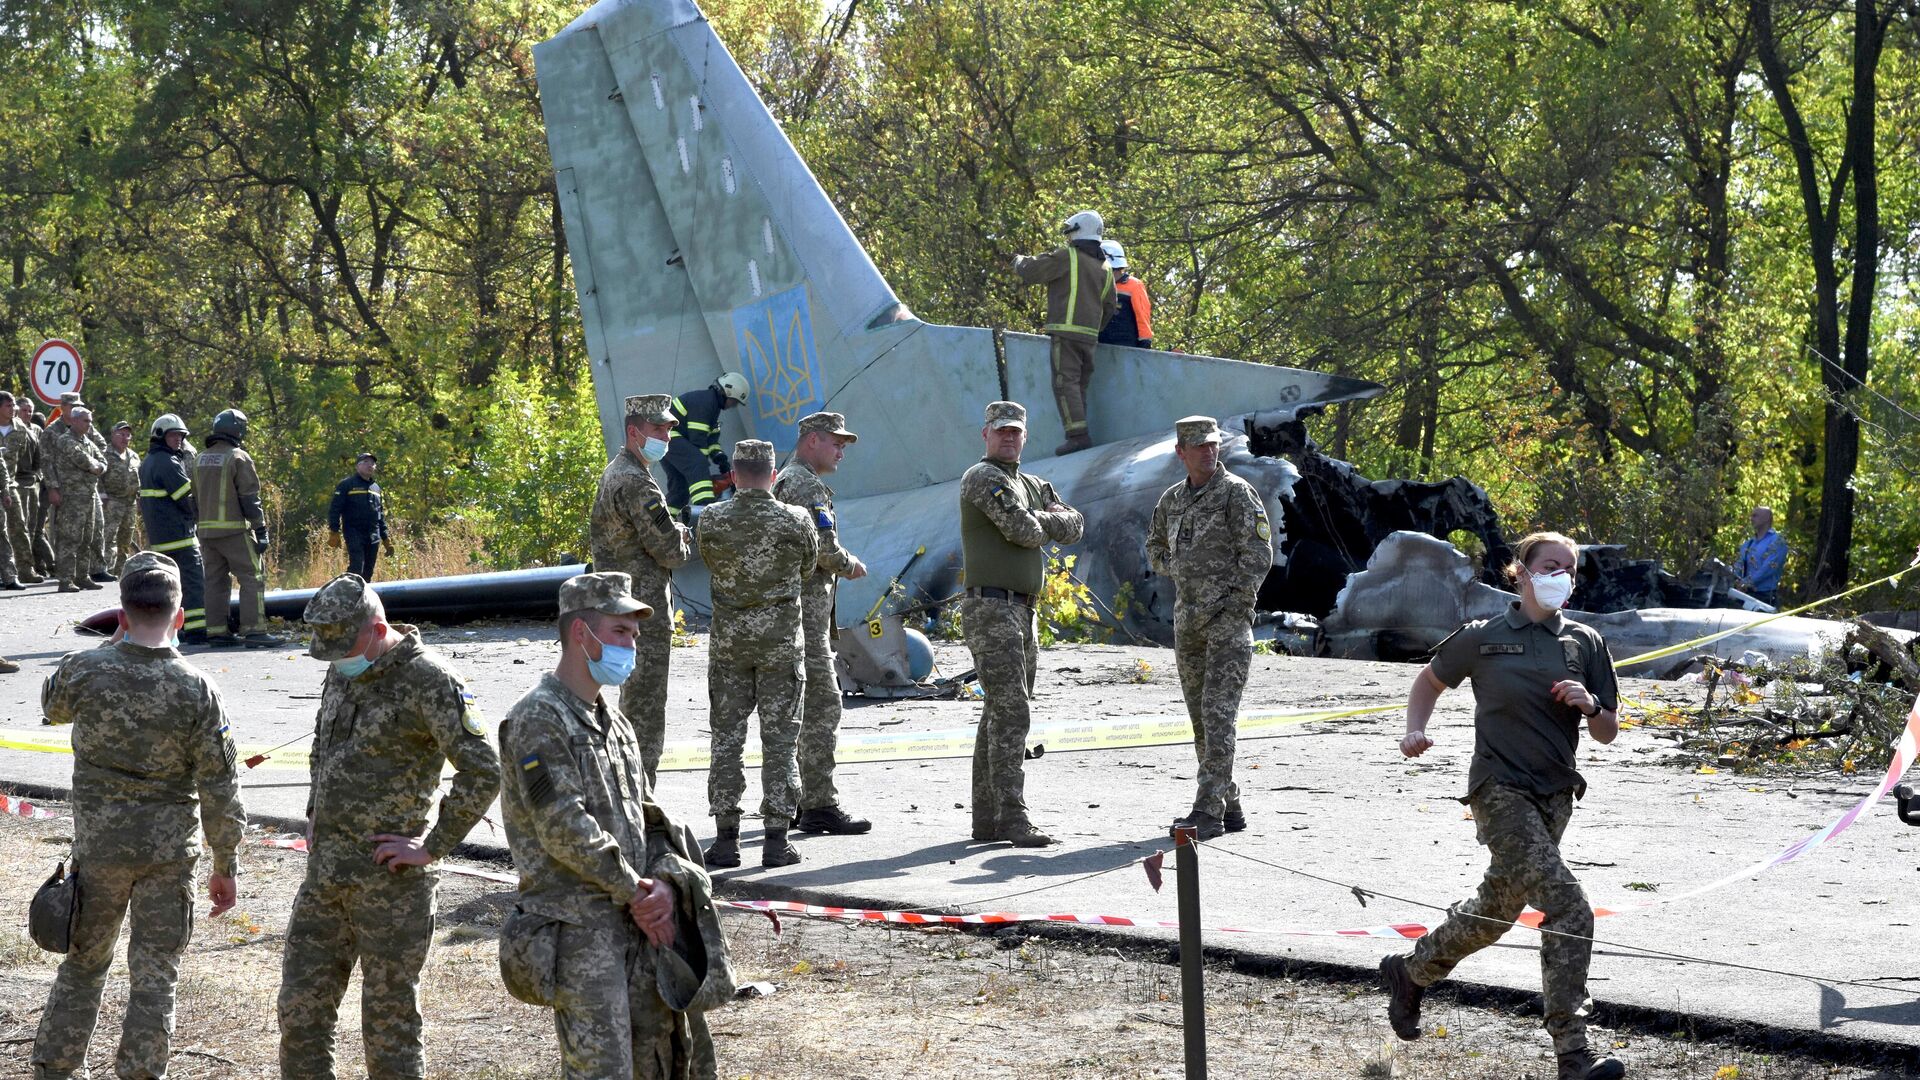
{"type": "Point", "coordinates": [1334, 799]}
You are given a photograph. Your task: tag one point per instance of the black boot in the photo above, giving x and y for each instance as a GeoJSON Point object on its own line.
{"type": "Point", "coordinates": [775, 851]}
{"type": "Point", "coordinates": [725, 850]}
{"type": "Point", "coordinates": [1582, 1065]}
{"type": "Point", "coordinates": [831, 820]}
{"type": "Point", "coordinates": [1403, 997]}
{"type": "Point", "coordinates": [1236, 820]}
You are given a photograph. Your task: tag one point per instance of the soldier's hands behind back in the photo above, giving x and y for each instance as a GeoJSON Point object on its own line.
{"type": "Point", "coordinates": [652, 910]}
{"type": "Point", "coordinates": [394, 852]}
{"type": "Point", "coordinates": [223, 892]}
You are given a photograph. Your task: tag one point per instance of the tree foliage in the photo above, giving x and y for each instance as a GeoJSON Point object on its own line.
{"type": "Point", "coordinates": [1632, 266]}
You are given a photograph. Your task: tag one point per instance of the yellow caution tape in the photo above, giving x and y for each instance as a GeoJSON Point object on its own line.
{"type": "Point", "coordinates": [1674, 650]}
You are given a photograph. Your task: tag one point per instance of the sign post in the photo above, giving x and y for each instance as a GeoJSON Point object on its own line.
{"type": "Point", "coordinates": [55, 370]}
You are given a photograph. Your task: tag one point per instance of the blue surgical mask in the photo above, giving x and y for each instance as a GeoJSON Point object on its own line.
{"type": "Point", "coordinates": [653, 449]}
{"type": "Point", "coordinates": [352, 666]}
{"type": "Point", "coordinates": [614, 665]}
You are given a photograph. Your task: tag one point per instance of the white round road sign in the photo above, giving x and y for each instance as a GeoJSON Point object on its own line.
{"type": "Point", "coordinates": [55, 371]}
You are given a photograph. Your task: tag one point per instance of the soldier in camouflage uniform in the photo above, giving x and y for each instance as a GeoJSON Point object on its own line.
{"type": "Point", "coordinates": [759, 551]}
{"type": "Point", "coordinates": [823, 440]}
{"type": "Point", "coordinates": [1005, 517]}
{"type": "Point", "coordinates": [81, 467]}
{"type": "Point", "coordinates": [153, 766]}
{"type": "Point", "coordinates": [634, 533]}
{"type": "Point", "coordinates": [119, 490]}
{"type": "Point", "coordinates": [39, 522]}
{"type": "Point", "coordinates": [603, 872]}
{"type": "Point", "coordinates": [9, 504]}
{"type": "Point", "coordinates": [20, 461]}
{"type": "Point", "coordinates": [1536, 675]}
{"type": "Point", "coordinates": [90, 559]}
{"type": "Point", "coordinates": [1210, 535]}
{"type": "Point", "coordinates": [392, 713]}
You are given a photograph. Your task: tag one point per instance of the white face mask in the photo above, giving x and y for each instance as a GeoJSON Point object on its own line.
{"type": "Point", "coordinates": [1552, 590]}
{"type": "Point", "coordinates": [653, 449]}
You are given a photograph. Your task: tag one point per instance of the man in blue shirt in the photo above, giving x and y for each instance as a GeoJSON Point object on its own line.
{"type": "Point", "coordinates": [1762, 556]}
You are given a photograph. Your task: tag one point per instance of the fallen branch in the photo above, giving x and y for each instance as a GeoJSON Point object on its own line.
{"type": "Point", "coordinates": [1889, 652]}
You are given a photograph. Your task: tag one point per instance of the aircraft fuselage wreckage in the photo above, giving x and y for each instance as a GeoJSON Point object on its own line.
{"type": "Point", "coordinates": [702, 243]}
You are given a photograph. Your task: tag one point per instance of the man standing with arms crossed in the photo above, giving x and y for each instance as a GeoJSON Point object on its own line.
{"type": "Point", "coordinates": [1210, 535]}
{"type": "Point", "coordinates": [153, 765]}
{"type": "Point", "coordinates": [634, 533]}
{"type": "Point", "coordinates": [392, 713]}
{"type": "Point", "coordinates": [822, 442]}
{"type": "Point", "coordinates": [759, 551]}
{"type": "Point", "coordinates": [610, 893]}
{"type": "Point", "coordinates": [1005, 517]}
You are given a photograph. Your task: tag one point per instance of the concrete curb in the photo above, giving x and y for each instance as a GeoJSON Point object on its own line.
{"type": "Point", "coordinates": [1642, 1019]}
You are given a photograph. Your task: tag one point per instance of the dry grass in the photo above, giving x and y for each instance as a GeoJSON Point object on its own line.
{"type": "Point", "coordinates": [439, 551]}
{"type": "Point", "coordinates": [852, 1002]}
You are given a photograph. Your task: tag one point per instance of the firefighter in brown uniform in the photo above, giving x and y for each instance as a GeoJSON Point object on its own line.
{"type": "Point", "coordinates": [823, 440]}
{"type": "Point", "coordinates": [1536, 675]}
{"type": "Point", "coordinates": [633, 532]}
{"type": "Point", "coordinates": [1005, 517]}
{"type": "Point", "coordinates": [227, 490]}
{"type": "Point", "coordinates": [1080, 300]}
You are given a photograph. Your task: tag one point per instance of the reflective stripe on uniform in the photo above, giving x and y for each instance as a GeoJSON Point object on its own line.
{"type": "Point", "coordinates": [699, 486]}
{"type": "Point", "coordinates": [176, 545]}
{"type": "Point", "coordinates": [695, 425]}
{"type": "Point", "coordinates": [1073, 297]}
{"type": "Point", "coordinates": [152, 493]}
{"type": "Point", "coordinates": [225, 525]}
{"type": "Point", "coordinates": [181, 490]}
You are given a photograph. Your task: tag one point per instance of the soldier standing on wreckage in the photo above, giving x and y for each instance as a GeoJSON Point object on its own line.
{"type": "Point", "coordinates": [759, 551]}
{"type": "Point", "coordinates": [1005, 516]}
{"type": "Point", "coordinates": [823, 439]}
{"type": "Point", "coordinates": [153, 766]}
{"type": "Point", "coordinates": [1210, 535]}
{"type": "Point", "coordinates": [392, 713]}
{"type": "Point", "coordinates": [81, 465]}
{"type": "Point", "coordinates": [633, 532]}
{"type": "Point", "coordinates": [1536, 674]}
{"type": "Point", "coordinates": [614, 913]}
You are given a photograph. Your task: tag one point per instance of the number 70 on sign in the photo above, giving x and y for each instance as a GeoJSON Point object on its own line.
{"type": "Point", "coordinates": [55, 371]}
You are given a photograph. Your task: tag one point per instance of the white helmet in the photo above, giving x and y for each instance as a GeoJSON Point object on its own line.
{"type": "Point", "coordinates": [1085, 225]}
{"type": "Point", "coordinates": [1116, 255]}
{"type": "Point", "coordinates": [734, 385]}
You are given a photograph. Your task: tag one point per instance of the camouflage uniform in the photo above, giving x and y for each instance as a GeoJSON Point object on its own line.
{"type": "Point", "coordinates": [634, 533]}
{"type": "Point", "coordinates": [584, 830]}
{"type": "Point", "coordinates": [378, 749]}
{"type": "Point", "coordinates": [81, 466]}
{"type": "Point", "coordinates": [1522, 784]}
{"type": "Point", "coordinates": [119, 490]}
{"type": "Point", "coordinates": [30, 549]}
{"type": "Point", "coordinates": [11, 499]}
{"type": "Point", "coordinates": [153, 765]}
{"type": "Point", "coordinates": [820, 717]}
{"type": "Point", "coordinates": [227, 489]}
{"type": "Point", "coordinates": [1003, 517]}
{"type": "Point", "coordinates": [1216, 545]}
{"type": "Point", "coordinates": [758, 550]}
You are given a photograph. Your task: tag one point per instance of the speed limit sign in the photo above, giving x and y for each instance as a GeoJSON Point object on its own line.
{"type": "Point", "coordinates": [56, 371]}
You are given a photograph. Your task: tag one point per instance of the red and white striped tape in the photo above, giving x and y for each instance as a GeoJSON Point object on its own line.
{"type": "Point", "coordinates": [25, 809]}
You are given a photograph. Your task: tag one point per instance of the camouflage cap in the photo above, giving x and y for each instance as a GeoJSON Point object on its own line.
{"type": "Point", "coordinates": [69, 399]}
{"type": "Point", "coordinates": [367, 455]}
{"type": "Point", "coordinates": [337, 612]}
{"type": "Point", "coordinates": [123, 425]}
{"type": "Point", "coordinates": [1006, 414]}
{"type": "Point", "coordinates": [1196, 430]}
{"type": "Point", "coordinates": [652, 408]}
{"type": "Point", "coordinates": [754, 452]}
{"type": "Point", "coordinates": [610, 593]}
{"type": "Point", "coordinates": [142, 562]}
{"type": "Point", "coordinates": [831, 423]}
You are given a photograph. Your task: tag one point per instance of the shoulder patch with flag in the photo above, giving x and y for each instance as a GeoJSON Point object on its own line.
{"type": "Point", "coordinates": [535, 779]}
{"type": "Point", "coordinates": [470, 717]}
{"type": "Point", "coordinates": [822, 517]}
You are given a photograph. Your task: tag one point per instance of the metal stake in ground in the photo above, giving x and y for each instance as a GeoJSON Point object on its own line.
{"type": "Point", "coordinates": [1193, 999]}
